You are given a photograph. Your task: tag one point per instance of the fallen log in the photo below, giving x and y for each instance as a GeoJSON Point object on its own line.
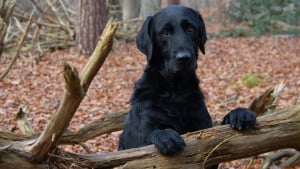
{"type": "Point", "coordinates": [114, 121]}
{"type": "Point", "coordinates": [277, 130]}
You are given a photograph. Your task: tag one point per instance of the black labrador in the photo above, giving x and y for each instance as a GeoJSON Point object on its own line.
{"type": "Point", "coordinates": [167, 100]}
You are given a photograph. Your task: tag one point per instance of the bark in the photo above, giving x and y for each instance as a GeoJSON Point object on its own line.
{"type": "Point", "coordinates": [92, 19]}
{"type": "Point", "coordinates": [149, 7]}
{"type": "Point", "coordinates": [10, 160]}
{"type": "Point", "coordinates": [6, 9]}
{"type": "Point", "coordinates": [173, 2]}
{"type": "Point", "coordinates": [267, 101]}
{"type": "Point", "coordinates": [130, 9]}
{"type": "Point", "coordinates": [277, 130]}
{"type": "Point", "coordinates": [73, 95]}
{"type": "Point", "coordinates": [112, 122]}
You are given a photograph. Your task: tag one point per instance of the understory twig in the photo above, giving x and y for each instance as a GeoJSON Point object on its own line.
{"type": "Point", "coordinates": [18, 49]}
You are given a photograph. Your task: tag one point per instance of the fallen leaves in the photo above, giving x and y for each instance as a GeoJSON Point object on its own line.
{"type": "Point", "coordinates": [37, 83]}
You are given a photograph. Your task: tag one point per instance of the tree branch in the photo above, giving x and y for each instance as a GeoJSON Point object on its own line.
{"type": "Point", "coordinates": [60, 120]}
{"type": "Point", "coordinates": [73, 95]}
{"type": "Point", "coordinates": [98, 56]}
{"type": "Point", "coordinates": [277, 130]}
{"type": "Point", "coordinates": [110, 123]}
{"type": "Point", "coordinates": [20, 44]}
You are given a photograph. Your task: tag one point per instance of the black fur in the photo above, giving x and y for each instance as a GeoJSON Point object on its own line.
{"type": "Point", "coordinates": [167, 100]}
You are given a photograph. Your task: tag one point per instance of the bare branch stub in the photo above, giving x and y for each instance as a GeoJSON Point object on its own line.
{"type": "Point", "coordinates": [75, 89]}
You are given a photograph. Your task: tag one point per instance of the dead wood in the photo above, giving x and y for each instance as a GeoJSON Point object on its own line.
{"type": "Point", "coordinates": [274, 156]}
{"type": "Point", "coordinates": [73, 95]}
{"type": "Point", "coordinates": [293, 160]}
{"type": "Point", "coordinates": [114, 121]}
{"type": "Point", "coordinates": [75, 89]}
{"type": "Point", "coordinates": [111, 122]}
{"type": "Point", "coordinates": [267, 101]}
{"type": "Point", "coordinates": [54, 24]}
{"type": "Point", "coordinates": [22, 121]}
{"type": "Point", "coordinates": [16, 55]}
{"type": "Point", "coordinates": [6, 9]}
{"type": "Point", "coordinates": [274, 131]}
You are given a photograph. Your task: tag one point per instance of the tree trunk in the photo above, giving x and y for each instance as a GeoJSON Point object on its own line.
{"type": "Point", "coordinates": [92, 19]}
{"type": "Point", "coordinates": [130, 9]}
{"type": "Point", "coordinates": [149, 7]}
{"type": "Point", "coordinates": [173, 2]}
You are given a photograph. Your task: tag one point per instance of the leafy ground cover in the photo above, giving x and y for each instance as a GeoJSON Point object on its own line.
{"type": "Point", "coordinates": [37, 82]}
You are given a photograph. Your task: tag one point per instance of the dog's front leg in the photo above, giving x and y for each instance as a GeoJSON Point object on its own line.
{"type": "Point", "coordinates": [167, 141]}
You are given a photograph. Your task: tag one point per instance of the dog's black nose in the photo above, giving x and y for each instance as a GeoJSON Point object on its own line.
{"type": "Point", "coordinates": [183, 56]}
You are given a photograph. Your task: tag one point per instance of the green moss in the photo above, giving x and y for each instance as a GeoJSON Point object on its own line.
{"type": "Point", "coordinates": [251, 80]}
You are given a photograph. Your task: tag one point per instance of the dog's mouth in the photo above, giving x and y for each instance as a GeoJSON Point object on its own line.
{"type": "Point", "coordinates": [174, 67]}
{"type": "Point", "coordinates": [185, 67]}
{"type": "Point", "coordinates": [184, 61]}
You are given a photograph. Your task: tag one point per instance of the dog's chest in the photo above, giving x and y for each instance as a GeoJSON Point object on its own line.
{"type": "Point", "coordinates": [176, 104]}
{"type": "Point", "coordinates": [175, 113]}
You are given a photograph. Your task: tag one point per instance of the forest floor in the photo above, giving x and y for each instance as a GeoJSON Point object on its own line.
{"type": "Point", "coordinates": [36, 82]}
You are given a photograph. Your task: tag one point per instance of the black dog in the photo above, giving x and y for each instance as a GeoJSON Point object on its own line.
{"type": "Point", "coordinates": [167, 100]}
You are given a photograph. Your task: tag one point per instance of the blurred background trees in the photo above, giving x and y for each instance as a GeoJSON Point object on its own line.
{"type": "Point", "coordinates": [265, 17]}
{"type": "Point", "coordinates": [60, 24]}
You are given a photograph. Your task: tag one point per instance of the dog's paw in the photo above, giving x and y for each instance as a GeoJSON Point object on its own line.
{"type": "Point", "coordinates": [167, 141]}
{"type": "Point", "coordinates": [240, 119]}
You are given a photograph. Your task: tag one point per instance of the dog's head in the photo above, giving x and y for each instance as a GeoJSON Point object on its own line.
{"type": "Point", "coordinates": [170, 39]}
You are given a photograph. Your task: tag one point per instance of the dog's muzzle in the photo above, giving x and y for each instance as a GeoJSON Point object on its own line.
{"type": "Point", "coordinates": [183, 57]}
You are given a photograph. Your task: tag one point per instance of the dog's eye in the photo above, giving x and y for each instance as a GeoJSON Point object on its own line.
{"type": "Point", "coordinates": [190, 29]}
{"type": "Point", "coordinates": [165, 32]}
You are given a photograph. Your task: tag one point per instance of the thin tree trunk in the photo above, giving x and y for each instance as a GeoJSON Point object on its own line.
{"type": "Point", "coordinates": [173, 2]}
{"type": "Point", "coordinates": [92, 20]}
{"type": "Point", "coordinates": [149, 7]}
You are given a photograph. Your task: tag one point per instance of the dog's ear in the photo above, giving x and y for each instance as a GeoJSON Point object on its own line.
{"type": "Point", "coordinates": [144, 38]}
{"type": "Point", "coordinates": [201, 34]}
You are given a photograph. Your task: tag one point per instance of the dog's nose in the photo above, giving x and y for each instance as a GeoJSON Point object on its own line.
{"type": "Point", "coordinates": [183, 56]}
